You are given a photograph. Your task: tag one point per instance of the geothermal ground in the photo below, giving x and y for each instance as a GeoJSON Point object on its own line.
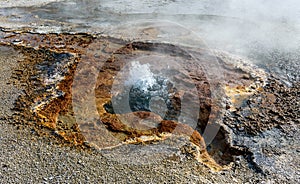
{"type": "Point", "coordinates": [113, 96]}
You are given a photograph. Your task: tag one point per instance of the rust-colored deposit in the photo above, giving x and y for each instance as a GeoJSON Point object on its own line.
{"type": "Point", "coordinates": [47, 74]}
{"type": "Point", "coordinates": [134, 127]}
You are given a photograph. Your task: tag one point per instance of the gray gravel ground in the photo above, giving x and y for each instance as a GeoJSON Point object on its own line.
{"type": "Point", "coordinates": [28, 158]}
{"type": "Point", "coordinates": [9, 93]}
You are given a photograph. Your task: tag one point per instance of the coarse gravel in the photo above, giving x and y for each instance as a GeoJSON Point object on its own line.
{"type": "Point", "coordinates": [26, 157]}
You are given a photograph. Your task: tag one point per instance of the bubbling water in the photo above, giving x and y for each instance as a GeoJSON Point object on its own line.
{"type": "Point", "coordinates": [146, 91]}
{"type": "Point", "coordinates": [140, 72]}
{"type": "Point", "coordinates": [158, 96]}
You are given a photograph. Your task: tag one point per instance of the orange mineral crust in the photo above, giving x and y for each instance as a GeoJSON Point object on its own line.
{"type": "Point", "coordinates": [48, 69]}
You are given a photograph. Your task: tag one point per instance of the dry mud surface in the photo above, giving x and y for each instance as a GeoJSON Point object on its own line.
{"type": "Point", "coordinates": [55, 129]}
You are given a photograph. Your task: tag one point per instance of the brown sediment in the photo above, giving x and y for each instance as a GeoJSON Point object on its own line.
{"type": "Point", "coordinates": [68, 43]}
{"type": "Point", "coordinates": [132, 127]}
{"type": "Point", "coordinates": [40, 106]}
